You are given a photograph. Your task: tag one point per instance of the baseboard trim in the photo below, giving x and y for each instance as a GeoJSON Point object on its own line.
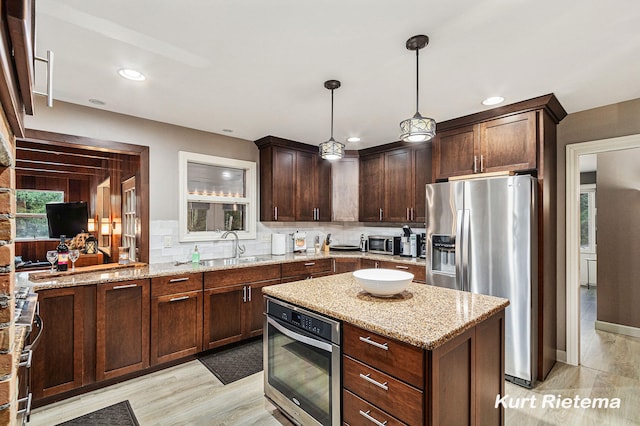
{"type": "Point", "coordinates": [618, 328]}
{"type": "Point", "coordinates": [561, 356]}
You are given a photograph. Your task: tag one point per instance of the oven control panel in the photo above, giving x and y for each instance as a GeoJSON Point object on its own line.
{"type": "Point", "coordinates": [298, 319]}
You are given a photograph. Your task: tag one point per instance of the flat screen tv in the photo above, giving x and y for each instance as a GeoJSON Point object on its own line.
{"type": "Point", "coordinates": [67, 219]}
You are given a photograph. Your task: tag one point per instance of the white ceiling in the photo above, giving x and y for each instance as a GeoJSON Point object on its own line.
{"type": "Point", "coordinates": [258, 67]}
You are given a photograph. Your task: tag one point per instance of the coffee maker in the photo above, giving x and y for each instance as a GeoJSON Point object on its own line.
{"type": "Point", "coordinates": [410, 243]}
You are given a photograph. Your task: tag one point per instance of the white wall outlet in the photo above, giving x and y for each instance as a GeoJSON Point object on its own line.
{"type": "Point", "coordinates": [167, 241]}
{"type": "Point", "coordinates": [266, 237]}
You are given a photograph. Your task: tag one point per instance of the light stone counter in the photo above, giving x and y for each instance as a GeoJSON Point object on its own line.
{"type": "Point", "coordinates": [165, 269]}
{"type": "Point", "coordinates": [423, 315]}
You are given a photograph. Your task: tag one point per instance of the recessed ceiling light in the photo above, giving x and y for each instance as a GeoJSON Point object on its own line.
{"type": "Point", "coordinates": [493, 100]}
{"type": "Point", "coordinates": [130, 74]}
{"type": "Point", "coordinates": [353, 139]}
{"type": "Point", "coordinates": [227, 130]}
{"type": "Point", "coordinates": [97, 101]}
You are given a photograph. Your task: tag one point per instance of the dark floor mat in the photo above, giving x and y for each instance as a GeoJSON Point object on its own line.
{"type": "Point", "coordinates": [235, 363]}
{"type": "Point", "coordinates": [119, 414]}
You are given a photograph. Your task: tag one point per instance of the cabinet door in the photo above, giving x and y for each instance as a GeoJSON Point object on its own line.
{"type": "Point", "coordinates": [176, 326]}
{"type": "Point", "coordinates": [254, 308]}
{"type": "Point", "coordinates": [323, 189]}
{"type": "Point", "coordinates": [371, 190]}
{"type": "Point", "coordinates": [222, 316]}
{"type": "Point", "coordinates": [509, 143]}
{"type": "Point", "coordinates": [454, 152]}
{"type": "Point", "coordinates": [283, 184]}
{"type": "Point", "coordinates": [122, 328]}
{"type": "Point", "coordinates": [305, 201]}
{"type": "Point", "coordinates": [422, 167]}
{"type": "Point", "coordinates": [342, 264]}
{"type": "Point", "coordinates": [419, 271]}
{"type": "Point", "coordinates": [57, 362]}
{"type": "Point", "coordinates": [399, 185]}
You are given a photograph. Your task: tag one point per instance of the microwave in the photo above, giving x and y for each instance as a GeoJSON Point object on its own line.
{"type": "Point", "coordinates": [382, 244]}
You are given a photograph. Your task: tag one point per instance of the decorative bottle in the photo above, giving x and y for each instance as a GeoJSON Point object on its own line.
{"type": "Point", "coordinates": [63, 254]}
{"type": "Point", "coordinates": [195, 256]}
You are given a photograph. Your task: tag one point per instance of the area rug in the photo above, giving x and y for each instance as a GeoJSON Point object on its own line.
{"type": "Point", "coordinates": [235, 363]}
{"type": "Point", "coordinates": [119, 414]}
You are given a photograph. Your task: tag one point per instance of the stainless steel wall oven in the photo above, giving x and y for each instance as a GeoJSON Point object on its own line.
{"type": "Point", "coordinates": [302, 363]}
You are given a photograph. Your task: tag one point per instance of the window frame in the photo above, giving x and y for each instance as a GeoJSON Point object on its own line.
{"type": "Point", "coordinates": [36, 215]}
{"type": "Point", "coordinates": [250, 199]}
{"type": "Point", "coordinates": [590, 190]}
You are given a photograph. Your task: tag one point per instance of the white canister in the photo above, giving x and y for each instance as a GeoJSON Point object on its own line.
{"type": "Point", "coordinates": [278, 244]}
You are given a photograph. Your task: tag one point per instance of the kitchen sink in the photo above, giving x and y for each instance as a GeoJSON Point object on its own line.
{"type": "Point", "coordinates": [233, 261]}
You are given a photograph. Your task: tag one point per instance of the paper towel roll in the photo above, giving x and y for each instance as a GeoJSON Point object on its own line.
{"type": "Point", "coordinates": [278, 244]}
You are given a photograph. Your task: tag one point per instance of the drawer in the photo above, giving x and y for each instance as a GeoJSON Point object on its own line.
{"type": "Point", "coordinates": [419, 271]}
{"type": "Point", "coordinates": [389, 394]}
{"type": "Point", "coordinates": [306, 268]}
{"type": "Point", "coordinates": [252, 274]}
{"type": "Point", "coordinates": [161, 286]}
{"type": "Point", "coordinates": [396, 358]}
{"type": "Point", "coordinates": [358, 412]}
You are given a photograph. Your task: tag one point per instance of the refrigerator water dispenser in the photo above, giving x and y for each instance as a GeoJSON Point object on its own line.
{"type": "Point", "coordinates": [443, 254]}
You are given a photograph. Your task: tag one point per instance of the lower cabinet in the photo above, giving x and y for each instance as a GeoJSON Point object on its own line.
{"type": "Point", "coordinates": [58, 359]}
{"type": "Point", "coordinates": [233, 303]}
{"type": "Point", "coordinates": [419, 272]}
{"type": "Point", "coordinates": [122, 328]}
{"type": "Point", "coordinates": [345, 264]}
{"type": "Point", "coordinates": [304, 270]}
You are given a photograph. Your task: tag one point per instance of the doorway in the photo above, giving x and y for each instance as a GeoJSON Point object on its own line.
{"type": "Point", "coordinates": [572, 240]}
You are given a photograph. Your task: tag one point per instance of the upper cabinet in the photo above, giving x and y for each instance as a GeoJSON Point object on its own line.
{"type": "Point", "coordinates": [295, 183]}
{"type": "Point", "coordinates": [507, 138]}
{"type": "Point", "coordinates": [392, 182]}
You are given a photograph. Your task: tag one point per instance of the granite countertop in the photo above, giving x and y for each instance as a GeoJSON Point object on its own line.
{"type": "Point", "coordinates": [423, 315]}
{"type": "Point", "coordinates": [165, 269]}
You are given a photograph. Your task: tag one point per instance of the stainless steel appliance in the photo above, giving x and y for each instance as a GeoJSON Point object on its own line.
{"type": "Point", "coordinates": [302, 363]}
{"type": "Point", "coordinates": [381, 244]}
{"type": "Point", "coordinates": [423, 246]}
{"type": "Point", "coordinates": [482, 238]}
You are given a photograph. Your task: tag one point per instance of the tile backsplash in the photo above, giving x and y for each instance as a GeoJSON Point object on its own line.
{"type": "Point", "coordinates": [164, 245]}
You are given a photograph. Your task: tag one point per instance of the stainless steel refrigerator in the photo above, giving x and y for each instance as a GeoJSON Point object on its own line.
{"type": "Point", "coordinates": [482, 237]}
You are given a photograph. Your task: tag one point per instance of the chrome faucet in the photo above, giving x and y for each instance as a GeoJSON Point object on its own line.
{"type": "Point", "coordinates": [237, 249]}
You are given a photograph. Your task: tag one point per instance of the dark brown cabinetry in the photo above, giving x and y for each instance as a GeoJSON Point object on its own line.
{"type": "Point", "coordinates": [312, 268]}
{"type": "Point", "coordinates": [386, 381]}
{"type": "Point", "coordinates": [392, 182]}
{"type": "Point", "coordinates": [345, 264]}
{"type": "Point", "coordinates": [507, 143]}
{"type": "Point", "coordinates": [58, 360]}
{"type": "Point", "coordinates": [176, 317]}
{"type": "Point", "coordinates": [419, 272]}
{"type": "Point", "coordinates": [295, 183]}
{"type": "Point", "coordinates": [233, 303]}
{"type": "Point", "coordinates": [122, 328]}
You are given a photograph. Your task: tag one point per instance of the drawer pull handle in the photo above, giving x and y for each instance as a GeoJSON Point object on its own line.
{"type": "Point", "coordinates": [368, 340]}
{"type": "Point", "coordinates": [401, 267]}
{"type": "Point", "coordinates": [375, 382]}
{"type": "Point", "coordinates": [118, 287]}
{"type": "Point", "coordinates": [309, 263]}
{"type": "Point", "coordinates": [178, 280]}
{"type": "Point", "coordinates": [371, 419]}
{"type": "Point", "coordinates": [176, 299]}
{"type": "Point", "coordinates": [26, 410]}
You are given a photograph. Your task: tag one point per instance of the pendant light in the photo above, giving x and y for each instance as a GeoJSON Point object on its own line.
{"type": "Point", "coordinates": [331, 149]}
{"type": "Point", "coordinates": [417, 128]}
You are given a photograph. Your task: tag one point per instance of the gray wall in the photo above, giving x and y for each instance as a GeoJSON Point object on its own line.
{"type": "Point", "coordinates": [164, 142]}
{"type": "Point", "coordinates": [618, 225]}
{"type": "Point", "coordinates": [609, 121]}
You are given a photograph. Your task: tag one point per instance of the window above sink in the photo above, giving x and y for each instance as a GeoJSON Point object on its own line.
{"type": "Point", "coordinates": [216, 193]}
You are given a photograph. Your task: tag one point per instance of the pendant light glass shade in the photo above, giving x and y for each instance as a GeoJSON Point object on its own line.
{"type": "Point", "coordinates": [417, 128]}
{"type": "Point", "coordinates": [331, 149]}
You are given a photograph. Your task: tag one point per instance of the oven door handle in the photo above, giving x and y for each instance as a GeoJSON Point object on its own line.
{"type": "Point", "coordinates": [299, 337]}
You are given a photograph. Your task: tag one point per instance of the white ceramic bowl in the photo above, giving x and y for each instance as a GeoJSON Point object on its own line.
{"type": "Point", "coordinates": [383, 282]}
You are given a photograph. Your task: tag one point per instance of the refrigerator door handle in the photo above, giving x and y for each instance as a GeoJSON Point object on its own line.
{"type": "Point", "coordinates": [458, 250]}
{"type": "Point", "coordinates": [466, 284]}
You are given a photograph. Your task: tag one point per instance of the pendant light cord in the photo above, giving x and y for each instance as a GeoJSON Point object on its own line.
{"type": "Point", "coordinates": [417, 79]}
{"type": "Point", "coordinates": [331, 113]}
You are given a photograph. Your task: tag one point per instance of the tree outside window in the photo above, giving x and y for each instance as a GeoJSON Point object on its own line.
{"type": "Point", "coordinates": [31, 214]}
{"type": "Point", "coordinates": [587, 219]}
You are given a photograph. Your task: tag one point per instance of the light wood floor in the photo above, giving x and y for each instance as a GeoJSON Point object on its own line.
{"type": "Point", "coordinates": [189, 394]}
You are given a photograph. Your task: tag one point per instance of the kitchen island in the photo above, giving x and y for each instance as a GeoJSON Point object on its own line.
{"type": "Point", "coordinates": [439, 353]}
